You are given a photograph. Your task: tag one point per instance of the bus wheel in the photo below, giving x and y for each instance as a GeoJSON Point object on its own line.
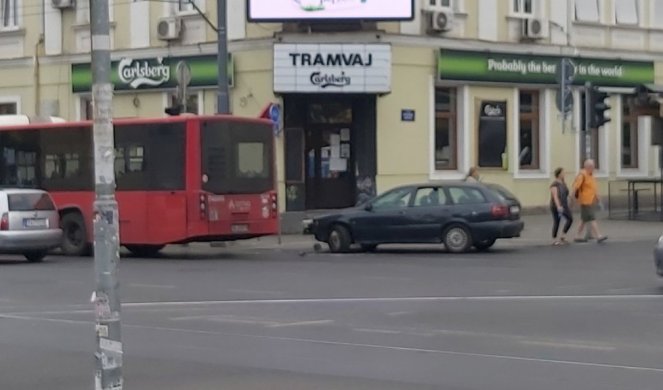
{"type": "Point", "coordinates": [145, 250]}
{"type": "Point", "coordinates": [74, 242]}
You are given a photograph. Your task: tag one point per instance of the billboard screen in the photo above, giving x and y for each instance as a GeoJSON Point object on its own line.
{"type": "Point", "coordinates": [312, 10]}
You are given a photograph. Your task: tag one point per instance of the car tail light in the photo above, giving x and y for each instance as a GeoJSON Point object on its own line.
{"type": "Point", "coordinates": [4, 222]}
{"type": "Point", "coordinates": [499, 211]}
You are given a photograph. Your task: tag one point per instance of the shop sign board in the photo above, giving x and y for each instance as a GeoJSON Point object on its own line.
{"type": "Point", "coordinates": [332, 68]}
{"type": "Point", "coordinates": [130, 74]}
{"type": "Point", "coordinates": [534, 69]}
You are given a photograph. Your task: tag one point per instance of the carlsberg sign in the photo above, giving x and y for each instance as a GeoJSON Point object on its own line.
{"type": "Point", "coordinates": [136, 72]}
{"type": "Point", "coordinates": [131, 74]}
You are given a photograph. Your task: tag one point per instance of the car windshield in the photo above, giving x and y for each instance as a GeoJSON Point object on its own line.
{"type": "Point", "coordinates": [399, 197]}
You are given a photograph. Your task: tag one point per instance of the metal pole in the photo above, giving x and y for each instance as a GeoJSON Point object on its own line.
{"type": "Point", "coordinates": [588, 109]}
{"type": "Point", "coordinates": [108, 355]}
{"type": "Point", "coordinates": [223, 101]}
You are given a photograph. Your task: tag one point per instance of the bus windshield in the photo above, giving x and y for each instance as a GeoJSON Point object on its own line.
{"type": "Point", "coordinates": [237, 157]}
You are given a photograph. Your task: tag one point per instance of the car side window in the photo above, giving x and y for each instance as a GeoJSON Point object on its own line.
{"type": "Point", "coordinates": [466, 195]}
{"type": "Point", "coordinates": [399, 198]}
{"type": "Point", "coordinates": [430, 197]}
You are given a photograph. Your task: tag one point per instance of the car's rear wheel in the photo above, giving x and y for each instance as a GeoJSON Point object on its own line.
{"type": "Point", "coordinates": [457, 239]}
{"type": "Point", "coordinates": [484, 245]}
{"type": "Point", "coordinates": [35, 257]}
{"type": "Point", "coordinates": [145, 250]}
{"type": "Point", "coordinates": [339, 240]}
{"type": "Point", "coordinates": [369, 247]}
{"type": "Point", "coordinates": [74, 241]}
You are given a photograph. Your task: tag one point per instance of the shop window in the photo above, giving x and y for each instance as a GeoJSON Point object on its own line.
{"type": "Point", "coordinates": [523, 7]}
{"type": "Point", "coordinates": [529, 131]}
{"type": "Point", "coordinates": [594, 135]}
{"type": "Point", "coordinates": [587, 10]}
{"type": "Point", "coordinates": [492, 136]}
{"type": "Point", "coordinates": [626, 12]}
{"type": "Point", "coordinates": [86, 113]}
{"type": "Point", "coordinates": [629, 136]}
{"type": "Point", "coordinates": [193, 103]}
{"type": "Point", "coordinates": [339, 113]}
{"type": "Point", "coordinates": [9, 13]}
{"type": "Point", "coordinates": [446, 134]}
{"type": "Point", "coordinates": [9, 108]}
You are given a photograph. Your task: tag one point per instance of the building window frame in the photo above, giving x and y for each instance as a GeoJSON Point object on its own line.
{"type": "Point", "coordinates": [185, 8]}
{"type": "Point", "coordinates": [9, 100]}
{"type": "Point", "coordinates": [628, 12]}
{"type": "Point", "coordinates": [534, 117]}
{"type": "Point", "coordinates": [587, 17]}
{"type": "Point", "coordinates": [10, 15]}
{"type": "Point", "coordinates": [449, 117]}
{"type": "Point", "coordinates": [523, 8]}
{"type": "Point", "coordinates": [655, 14]}
{"type": "Point", "coordinates": [599, 139]}
{"type": "Point", "coordinates": [463, 120]}
{"type": "Point", "coordinates": [83, 11]}
{"type": "Point", "coordinates": [199, 93]}
{"type": "Point", "coordinates": [628, 119]}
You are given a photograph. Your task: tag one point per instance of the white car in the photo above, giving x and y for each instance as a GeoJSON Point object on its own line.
{"type": "Point", "coordinates": [29, 223]}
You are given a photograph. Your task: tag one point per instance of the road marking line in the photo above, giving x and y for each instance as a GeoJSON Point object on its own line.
{"type": "Point", "coordinates": [300, 323]}
{"type": "Point", "coordinates": [568, 345]}
{"type": "Point", "coordinates": [362, 345]}
{"type": "Point", "coordinates": [164, 286]}
{"type": "Point", "coordinates": [381, 331]}
{"type": "Point", "coordinates": [486, 298]}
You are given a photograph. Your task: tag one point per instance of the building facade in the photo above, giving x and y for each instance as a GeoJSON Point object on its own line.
{"type": "Point", "coordinates": [369, 106]}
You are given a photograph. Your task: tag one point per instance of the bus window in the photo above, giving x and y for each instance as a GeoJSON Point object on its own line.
{"type": "Point", "coordinates": [236, 157]}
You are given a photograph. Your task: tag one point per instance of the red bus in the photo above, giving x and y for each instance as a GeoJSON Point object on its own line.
{"type": "Point", "coordinates": [179, 179]}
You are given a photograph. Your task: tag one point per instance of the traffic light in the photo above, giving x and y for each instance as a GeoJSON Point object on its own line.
{"type": "Point", "coordinates": [599, 108]}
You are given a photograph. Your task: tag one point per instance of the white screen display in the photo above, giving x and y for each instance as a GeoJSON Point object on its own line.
{"type": "Point", "coordinates": [282, 10]}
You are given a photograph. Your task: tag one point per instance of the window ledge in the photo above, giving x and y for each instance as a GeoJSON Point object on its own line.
{"type": "Point", "coordinates": [590, 24]}
{"type": "Point", "coordinates": [447, 175]}
{"type": "Point", "coordinates": [514, 16]}
{"type": "Point", "coordinates": [193, 14]}
{"type": "Point", "coordinates": [18, 31]}
{"type": "Point", "coordinates": [531, 175]}
{"type": "Point", "coordinates": [631, 173]}
{"type": "Point", "coordinates": [86, 26]}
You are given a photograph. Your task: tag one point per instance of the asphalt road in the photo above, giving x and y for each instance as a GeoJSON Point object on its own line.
{"type": "Point", "coordinates": [540, 317]}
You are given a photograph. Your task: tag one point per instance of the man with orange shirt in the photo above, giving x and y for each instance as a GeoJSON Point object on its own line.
{"type": "Point", "coordinates": [586, 194]}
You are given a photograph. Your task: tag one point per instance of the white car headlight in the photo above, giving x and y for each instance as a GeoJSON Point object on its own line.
{"type": "Point", "coordinates": [660, 241]}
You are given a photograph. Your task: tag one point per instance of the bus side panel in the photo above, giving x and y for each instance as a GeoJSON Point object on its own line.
{"type": "Point", "coordinates": [133, 216]}
{"type": "Point", "coordinates": [196, 218]}
{"type": "Point", "coordinates": [166, 213]}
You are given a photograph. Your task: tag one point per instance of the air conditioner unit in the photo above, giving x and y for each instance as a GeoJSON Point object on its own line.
{"type": "Point", "coordinates": [534, 29]}
{"type": "Point", "coordinates": [63, 4]}
{"type": "Point", "coordinates": [169, 29]}
{"type": "Point", "coordinates": [440, 21]}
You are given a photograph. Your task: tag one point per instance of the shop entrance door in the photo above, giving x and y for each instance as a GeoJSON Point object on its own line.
{"type": "Point", "coordinates": [330, 181]}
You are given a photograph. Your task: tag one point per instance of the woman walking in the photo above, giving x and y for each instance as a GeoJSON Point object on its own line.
{"type": "Point", "coordinates": [559, 206]}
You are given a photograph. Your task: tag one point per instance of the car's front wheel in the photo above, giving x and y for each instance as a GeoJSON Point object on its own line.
{"type": "Point", "coordinates": [457, 239]}
{"type": "Point", "coordinates": [484, 245]}
{"type": "Point", "coordinates": [339, 240]}
{"type": "Point", "coordinates": [35, 257]}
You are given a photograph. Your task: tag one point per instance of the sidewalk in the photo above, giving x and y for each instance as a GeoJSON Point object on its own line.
{"type": "Point", "coordinates": [537, 232]}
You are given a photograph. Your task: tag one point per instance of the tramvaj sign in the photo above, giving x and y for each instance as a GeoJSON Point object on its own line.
{"type": "Point", "coordinates": [129, 74]}
{"type": "Point", "coordinates": [329, 68]}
